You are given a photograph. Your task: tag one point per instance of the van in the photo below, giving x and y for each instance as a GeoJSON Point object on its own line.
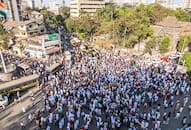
{"type": "Point", "coordinates": [3, 102]}
{"type": "Point", "coordinates": [25, 67]}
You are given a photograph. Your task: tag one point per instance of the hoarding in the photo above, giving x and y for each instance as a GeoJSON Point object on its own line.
{"type": "Point", "coordinates": [53, 37]}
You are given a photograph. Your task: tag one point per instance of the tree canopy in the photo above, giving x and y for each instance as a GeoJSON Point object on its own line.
{"type": "Point", "coordinates": [183, 43]}
{"type": "Point", "coordinates": [127, 26]}
{"type": "Point", "coordinates": [187, 59]}
{"type": "Point", "coordinates": [164, 46]}
{"type": "Point", "coordinates": [2, 30]}
{"type": "Point", "coordinates": [3, 37]}
{"type": "Point", "coordinates": [64, 12]}
{"type": "Point", "coordinates": [150, 45]}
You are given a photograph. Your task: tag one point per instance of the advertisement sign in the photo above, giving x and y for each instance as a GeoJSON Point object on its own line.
{"type": "Point", "coordinates": [51, 40]}
{"type": "Point", "coordinates": [53, 37]}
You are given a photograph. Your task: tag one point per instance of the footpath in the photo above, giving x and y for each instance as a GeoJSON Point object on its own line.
{"type": "Point", "coordinates": [13, 113]}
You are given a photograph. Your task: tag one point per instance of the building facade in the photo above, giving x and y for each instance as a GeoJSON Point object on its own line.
{"type": "Point", "coordinates": [51, 5]}
{"type": "Point", "coordinates": [173, 4]}
{"type": "Point", "coordinates": [26, 29]}
{"type": "Point", "coordinates": [89, 6]}
{"type": "Point", "coordinates": [44, 45]}
{"type": "Point", "coordinates": [187, 4]}
{"type": "Point", "coordinates": [54, 6]}
{"type": "Point", "coordinates": [34, 15]}
{"type": "Point", "coordinates": [14, 9]}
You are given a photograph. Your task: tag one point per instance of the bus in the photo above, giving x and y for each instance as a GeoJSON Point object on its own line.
{"type": "Point", "coordinates": [19, 84]}
{"type": "Point", "coordinates": [25, 67]}
{"type": "Point", "coordinates": [54, 68]}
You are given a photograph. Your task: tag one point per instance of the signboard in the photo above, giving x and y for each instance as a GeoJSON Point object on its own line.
{"type": "Point", "coordinates": [51, 40]}
{"type": "Point", "coordinates": [53, 37]}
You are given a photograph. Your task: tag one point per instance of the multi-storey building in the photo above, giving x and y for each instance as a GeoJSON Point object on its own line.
{"type": "Point", "coordinates": [27, 4]}
{"type": "Point", "coordinates": [26, 29]}
{"type": "Point", "coordinates": [187, 4]}
{"type": "Point", "coordinates": [173, 4]}
{"type": "Point", "coordinates": [14, 9]}
{"type": "Point", "coordinates": [32, 35]}
{"type": "Point", "coordinates": [44, 45]}
{"type": "Point", "coordinates": [51, 5]}
{"type": "Point", "coordinates": [89, 6]}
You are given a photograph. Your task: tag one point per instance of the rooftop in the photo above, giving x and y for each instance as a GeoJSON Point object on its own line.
{"type": "Point", "coordinates": [170, 21]}
{"type": "Point", "coordinates": [36, 13]}
{"type": "Point", "coordinates": [13, 83]}
{"type": "Point", "coordinates": [36, 38]}
{"type": "Point", "coordinates": [21, 23]}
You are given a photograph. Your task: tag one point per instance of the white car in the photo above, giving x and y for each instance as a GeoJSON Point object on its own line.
{"type": "Point", "coordinates": [3, 102]}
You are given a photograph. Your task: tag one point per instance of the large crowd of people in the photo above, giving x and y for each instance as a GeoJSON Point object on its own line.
{"type": "Point", "coordinates": [112, 92]}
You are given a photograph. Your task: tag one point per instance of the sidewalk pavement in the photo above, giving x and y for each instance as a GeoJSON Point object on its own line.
{"type": "Point", "coordinates": [24, 97]}
{"type": "Point", "coordinates": [13, 112]}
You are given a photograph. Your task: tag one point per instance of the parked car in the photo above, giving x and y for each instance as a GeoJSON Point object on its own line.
{"type": "Point", "coordinates": [3, 102]}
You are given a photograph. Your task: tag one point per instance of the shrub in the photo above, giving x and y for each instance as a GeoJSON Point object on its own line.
{"type": "Point", "coordinates": [164, 46]}
{"type": "Point", "coordinates": [183, 43]}
{"type": "Point", "coordinates": [187, 59]}
{"type": "Point", "coordinates": [151, 44]}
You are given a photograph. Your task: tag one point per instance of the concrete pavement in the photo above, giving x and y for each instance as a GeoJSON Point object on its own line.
{"type": "Point", "coordinates": [12, 116]}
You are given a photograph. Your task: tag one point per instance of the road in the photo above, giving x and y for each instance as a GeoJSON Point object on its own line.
{"type": "Point", "coordinates": [11, 118]}
{"type": "Point", "coordinates": [13, 115]}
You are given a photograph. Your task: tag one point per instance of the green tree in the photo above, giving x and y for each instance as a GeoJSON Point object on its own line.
{"type": "Point", "coordinates": [187, 59]}
{"type": "Point", "coordinates": [71, 25]}
{"type": "Point", "coordinates": [150, 45]}
{"type": "Point", "coordinates": [64, 12]}
{"type": "Point", "coordinates": [2, 30]}
{"type": "Point", "coordinates": [83, 14]}
{"type": "Point", "coordinates": [109, 12]}
{"type": "Point", "coordinates": [182, 15]}
{"type": "Point", "coordinates": [183, 43]}
{"type": "Point", "coordinates": [47, 14]}
{"type": "Point", "coordinates": [127, 26]}
{"type": "Point", "coordinates": [4, 36]}
{"type": "Point", "coordinates": [158, 12]}
{"type": "Point", "coordinates": [5, 44]}
{"type": "Point", "coordinates": [49, 19]}
{"type": "Point", "coordinates": [58, 19]}
{"type": "Point", "coordinates": [87, 26]}
{"type": "Point", "coordinates": [131, 41]}
{"type": "Point", "coordinates": [164, 46]}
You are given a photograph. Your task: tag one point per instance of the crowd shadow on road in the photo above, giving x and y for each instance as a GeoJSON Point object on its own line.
{"type": "Point", "coordinates": [14, 126]}
{"type": "Point", "coordinates": [5, 115]}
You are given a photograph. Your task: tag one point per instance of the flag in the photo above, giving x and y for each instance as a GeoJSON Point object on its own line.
{"type": "Point", "coordinates": [2, 13]}
{"type": "Point", "coordinates": [2, 5]}
{"type": "Point", "coordinates": [3, 9]}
